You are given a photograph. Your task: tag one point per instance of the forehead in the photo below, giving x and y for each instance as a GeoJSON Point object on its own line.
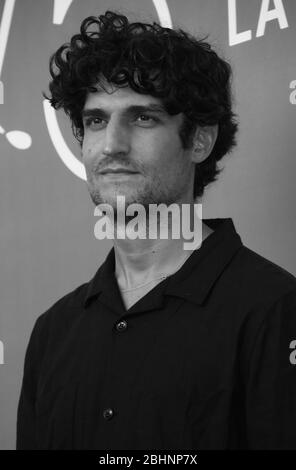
{"type": "Point", "coordinates": [114, 98]}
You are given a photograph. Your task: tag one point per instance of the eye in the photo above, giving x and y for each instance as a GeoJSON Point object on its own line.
{"type": "Point", "coordinates": [94, 123]}
{"type": "Point", "coordinates": [146, 119]}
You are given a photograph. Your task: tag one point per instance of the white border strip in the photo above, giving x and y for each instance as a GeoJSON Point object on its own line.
{"type": "Point", "coordinates": [163, 13]}
{"type": "Point", "coordinates": [5, 28]}
{"type": "Point", "coordinates": [68, 158]}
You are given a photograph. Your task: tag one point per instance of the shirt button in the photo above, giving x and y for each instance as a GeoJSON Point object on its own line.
{"type": "Point", "coordinates": [108, 413]}
{"type": "Point", "coordinates": [121, 326]}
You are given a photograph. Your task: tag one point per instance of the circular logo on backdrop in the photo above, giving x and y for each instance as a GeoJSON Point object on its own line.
{"type": "Point", "coordinates": [18, 139]}
{"type": "Point", "coordinates": [63, 151]}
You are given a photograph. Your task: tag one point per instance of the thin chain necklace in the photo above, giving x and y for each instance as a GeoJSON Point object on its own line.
{"type": "Point", "coordinates": [160, 277]}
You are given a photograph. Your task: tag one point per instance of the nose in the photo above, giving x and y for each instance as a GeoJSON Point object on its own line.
{"type": "Point", "coordinates": [116, 139]}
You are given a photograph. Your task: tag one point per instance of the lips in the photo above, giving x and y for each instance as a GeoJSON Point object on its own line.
{"type": "Point", "coordinates": [117, 170]}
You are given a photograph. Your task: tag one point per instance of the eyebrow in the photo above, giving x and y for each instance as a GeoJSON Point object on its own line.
{"type": "Point", "coordinates": [152, 107]}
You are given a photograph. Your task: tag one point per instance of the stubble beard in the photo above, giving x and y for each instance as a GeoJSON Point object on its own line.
{"type": "Point", "coordinates": [156, 193]}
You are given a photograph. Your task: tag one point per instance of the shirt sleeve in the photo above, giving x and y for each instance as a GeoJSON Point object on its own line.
{"type": "Point", "coordinates": [26, 419]}
{"type": "Point", "coordinates": [271, 385]}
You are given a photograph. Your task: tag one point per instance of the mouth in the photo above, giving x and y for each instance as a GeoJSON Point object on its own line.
{"type": "Point", "coordinates": [117, 172]}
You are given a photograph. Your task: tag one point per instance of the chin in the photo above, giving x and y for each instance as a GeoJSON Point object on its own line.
{"type": "Point", "coordinates": [111, 199]}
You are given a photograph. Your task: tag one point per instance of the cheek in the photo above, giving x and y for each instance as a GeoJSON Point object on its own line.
{"type": "Point", "coordinates": [163, 155]}
{"type": "Point", "coordinates": [87, 151]}
{"type": "Point", "coordinates": [174, 161]}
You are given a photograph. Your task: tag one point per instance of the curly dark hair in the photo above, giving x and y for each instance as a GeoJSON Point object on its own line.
{"type": "Point", "coordinates": [181, 70]}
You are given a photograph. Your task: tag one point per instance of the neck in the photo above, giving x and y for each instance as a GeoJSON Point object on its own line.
{"type": "Point", "coordinates": [140, 260]}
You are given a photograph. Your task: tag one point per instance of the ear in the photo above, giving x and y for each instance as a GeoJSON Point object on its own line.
{"type": "Point", "coordinates": [203, 142]}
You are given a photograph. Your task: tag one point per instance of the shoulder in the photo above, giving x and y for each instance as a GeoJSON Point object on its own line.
{"type": "Point", "coordinates": [253, 290]}
{"type": "Point", "coordinates": [259, 263]}
{"type": "Point", "coordinates": [65, 308]}
{"type": "Point", "coordinates": [52, 326]}
{"type": "Point", "coordinates": [260, 280]}
{"type": "Point", "coordinates": [261, 302]}
{"type": "Point", "coordinates": [267, 299]}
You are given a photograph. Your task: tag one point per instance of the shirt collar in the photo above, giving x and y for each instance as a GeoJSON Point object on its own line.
{"type": "Point", "coordinates": [203, 268]}
{"type": "Point", "coordinates": [197, 276]}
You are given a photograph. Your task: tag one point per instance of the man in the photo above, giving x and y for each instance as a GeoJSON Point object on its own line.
{"type": "Point", "coordinates": [165, 348]}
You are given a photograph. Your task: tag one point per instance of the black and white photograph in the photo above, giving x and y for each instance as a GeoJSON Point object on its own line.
{"type": "Point", "coordinates": [148, 227]}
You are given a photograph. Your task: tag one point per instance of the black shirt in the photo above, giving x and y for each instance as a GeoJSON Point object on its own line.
{"type": "Point", "coordinates": [202, 361]}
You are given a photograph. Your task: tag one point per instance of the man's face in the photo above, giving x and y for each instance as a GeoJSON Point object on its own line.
{"type": "Point", "coordinates": [132, 148]}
